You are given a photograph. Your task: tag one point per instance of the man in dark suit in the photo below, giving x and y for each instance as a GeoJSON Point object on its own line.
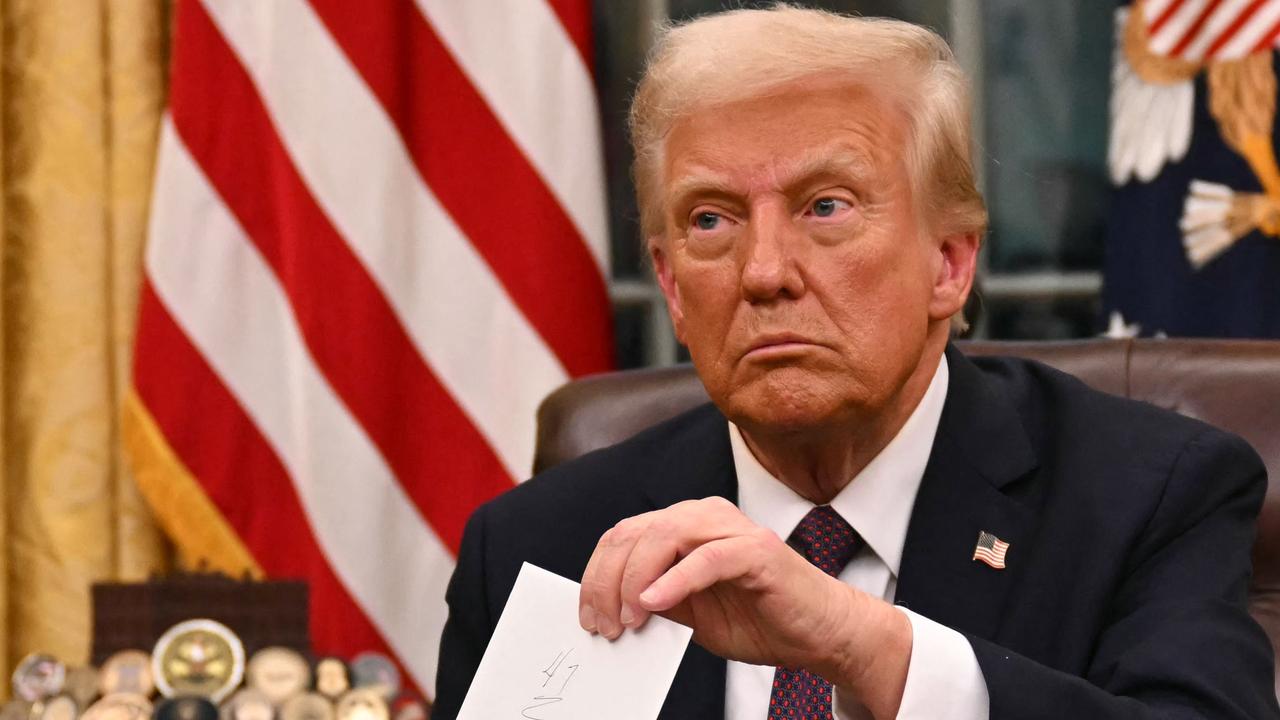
{"type": "Point", "coordinates": [865, 523]}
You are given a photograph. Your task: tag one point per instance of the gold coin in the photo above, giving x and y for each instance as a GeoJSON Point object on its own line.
{"type": "Point", "coordinates": [198, 657]}
{"type": "Point", "coordinates": [279, 673]}
{"type": "Point", "coordinates": [331, 678]}
{"type": "Point", "coordinates": [82, 685]}
{"type": "Point", "coordinates": [119, 706]}
{"type": "Point", "coordinates": [128, 671]}
{"type": "Point", "coordinates": [307, 706]}
{"type": "Point", "coordinates": [247, 704]}
{"type": "Point", "coordinates": [362, 704]}
{"type": "Point", "coordinates": [60, 707]}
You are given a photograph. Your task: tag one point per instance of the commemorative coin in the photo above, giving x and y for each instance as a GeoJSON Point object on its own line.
{"type": "Point", "coordinates": [279, 673]}
{"type": "Point", "coordinates": [119, 706]}
{"type": "Point", "coordinates": [198, 657]}
{"type": "Point", "coordinates": [128, 671]}
{"type": "Point", "coordinates": [307, 706]}
{"type": "Point", "coordinates": [82, 685]}
{"type": "Point", "coordinates": [38, 676]}
{"type": "Point", "coordinates": [362, 704]}
{"type": "Point", "coordinates": [248, 704]}
{"type": "Point", "coordinates": [332, 678]}
{"type": "Point", "coordinates": [376, 671]}
{"type": "Point", "coordinates": [59, 707]}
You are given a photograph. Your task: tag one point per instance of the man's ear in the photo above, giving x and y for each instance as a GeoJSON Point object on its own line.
{"type": "Point", "coordinates": [957, 263]}
{"type": "Point", "coordinates": [667, 281]}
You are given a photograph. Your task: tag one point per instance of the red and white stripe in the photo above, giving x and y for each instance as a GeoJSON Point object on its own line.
{"type": "Point", "coordinates": [1206, 30]}
{"type": "Point", "coordinates": [378, 240]}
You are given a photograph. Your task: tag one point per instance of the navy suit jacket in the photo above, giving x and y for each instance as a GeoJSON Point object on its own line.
{"type": "Point", "coordinates": [1129, 532]}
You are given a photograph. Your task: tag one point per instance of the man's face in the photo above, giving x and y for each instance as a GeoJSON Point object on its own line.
{"type": "Point", "coordinates": [795, 267]}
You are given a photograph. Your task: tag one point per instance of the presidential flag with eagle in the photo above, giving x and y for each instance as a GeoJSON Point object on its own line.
{"type": "Point", "coordinates": [1193, 244]}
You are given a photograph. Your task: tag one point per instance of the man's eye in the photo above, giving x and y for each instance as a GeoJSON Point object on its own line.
{"type": "Point", "coordinates": [706, 221]}
{"type": "Point", "coordinates": [826, 207]}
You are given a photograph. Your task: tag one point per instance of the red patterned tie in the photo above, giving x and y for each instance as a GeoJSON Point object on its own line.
{"type": "Point", "coordinates": [828, 541]}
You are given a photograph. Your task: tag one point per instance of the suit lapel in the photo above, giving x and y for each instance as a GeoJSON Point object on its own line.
{"type": "Point", "coordinates": [980, 447]}
{"type": "Point", "coordinates": [699, 464]}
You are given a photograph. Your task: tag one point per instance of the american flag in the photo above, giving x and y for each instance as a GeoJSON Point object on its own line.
{"type": "Point", "coordinates": [1202, 30]}
{"type": "Point", "coordinates": [990, 550]}
{"type": "Point", "coordinates": [378, 239]}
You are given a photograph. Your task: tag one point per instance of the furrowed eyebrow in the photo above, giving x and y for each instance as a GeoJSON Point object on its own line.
{"type": "Point", "coordinates": [840, 162]}
{"type": "Point", "coordinates": [698, 184]}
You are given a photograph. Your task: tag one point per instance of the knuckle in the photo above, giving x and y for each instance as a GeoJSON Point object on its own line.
{"type": "Point", "coordinates": [711, 555]}
{"type": "Point", "coordinates": [633, 577]}
{"type": "Point", "coordinates": [596, 590]}
{"type": "Point", "coordinates": [662, 525]}
{"type": "Point", "coordinates": [619, 535]}
{"type": "Point", "coordinates": [718, 504]}
{"type": "Point", "coordinates": [763, 539]}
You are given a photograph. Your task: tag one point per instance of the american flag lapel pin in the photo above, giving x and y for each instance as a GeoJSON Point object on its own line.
{"type": "Point", "coordinates": [990, 550]}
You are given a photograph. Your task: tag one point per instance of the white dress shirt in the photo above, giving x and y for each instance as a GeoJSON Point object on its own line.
{"type": "Point", "coordinates": [944, 681]}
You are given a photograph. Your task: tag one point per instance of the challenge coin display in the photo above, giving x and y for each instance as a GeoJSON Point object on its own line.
{"type": "Point", "coordinates": [60, 707]}
{"type": "Point", "coordinates": [188, 707]}
{"type": "Point", "coordinates": [362, 704]}
{"type": "Point", "coordinates": [248, 704]}
{"type": "Point", "coordinates": [376, 671]}
{"type": "Point", "coordinates": [307, 706]}
{"type": "Point", "coordinates": [279, 673]}
{"type": "Point", "coordinates": [38, 676]}
{"type": "Point", "coordinates": [119, 706]}
{"type": "Point", "coordinates": [128, 671]}
{"type": "Point", "coordinates": [82, 685]}
{"type": "Point", "coordinates": [331, 678]}
{"type": "Point", "coordinates": [198, 657]}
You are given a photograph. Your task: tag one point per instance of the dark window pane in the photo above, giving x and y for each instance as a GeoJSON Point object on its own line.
{"type": "Point", "coordinates": [1059, 319]}
{"type": "Point", "coordinates": [630, 336]}
{"type": "Point", "coordinates": [1046, 86]}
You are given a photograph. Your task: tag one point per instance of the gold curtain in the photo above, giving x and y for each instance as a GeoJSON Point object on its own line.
{"type": "Point", "coordinates": [81, 94]}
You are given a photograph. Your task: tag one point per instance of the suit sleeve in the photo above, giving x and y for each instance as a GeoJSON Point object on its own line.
{"type": "Point", "coordinates": [467, 631]}
{"type": "Point", "coordinates": [1178, 642]}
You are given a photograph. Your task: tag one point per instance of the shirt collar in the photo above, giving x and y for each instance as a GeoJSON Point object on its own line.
{"type": "Point", "coordinates": [877, 502]}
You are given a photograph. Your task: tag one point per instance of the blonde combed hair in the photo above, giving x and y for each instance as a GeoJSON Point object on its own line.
{"type": "Point", "coordinates": [743, 54]}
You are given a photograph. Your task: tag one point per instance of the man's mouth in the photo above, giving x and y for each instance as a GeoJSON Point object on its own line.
{"type": "Point", "coordinates": [779, 344]}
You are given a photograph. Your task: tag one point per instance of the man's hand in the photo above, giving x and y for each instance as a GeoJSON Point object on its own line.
{"type": "Point", "coordinates": [748, 597]}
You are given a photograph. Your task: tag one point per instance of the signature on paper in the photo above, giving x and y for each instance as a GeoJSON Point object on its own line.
{"type": "Point", "coordinates": [556, 692]}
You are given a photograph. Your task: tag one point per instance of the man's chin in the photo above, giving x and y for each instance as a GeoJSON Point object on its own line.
{"type": "Point", "coordinates": [785, 400]}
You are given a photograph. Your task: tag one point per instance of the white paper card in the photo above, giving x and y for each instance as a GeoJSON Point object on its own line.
{"type": "Point", "coordinates": [541, 664]}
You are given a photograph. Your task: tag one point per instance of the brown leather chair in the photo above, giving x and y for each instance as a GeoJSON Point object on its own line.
{"type": "Point", "coordinates": [1233, 384]}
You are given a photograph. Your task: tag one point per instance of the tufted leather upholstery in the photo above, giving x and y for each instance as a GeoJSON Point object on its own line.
{"type": "Point", "coordinates": [1234, 384]}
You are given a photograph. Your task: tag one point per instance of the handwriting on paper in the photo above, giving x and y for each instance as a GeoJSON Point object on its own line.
{"type": "Point", "coordinates": [558, 674]}
{"type": "Point", "coordinates": [541, 664]}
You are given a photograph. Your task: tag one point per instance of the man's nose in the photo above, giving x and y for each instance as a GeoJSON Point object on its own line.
{"type": "Point", "coordinates": [770, 268]}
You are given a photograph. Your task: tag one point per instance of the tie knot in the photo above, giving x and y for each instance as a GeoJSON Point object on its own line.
{"type": "Point", "coordinates": [825, 539]}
